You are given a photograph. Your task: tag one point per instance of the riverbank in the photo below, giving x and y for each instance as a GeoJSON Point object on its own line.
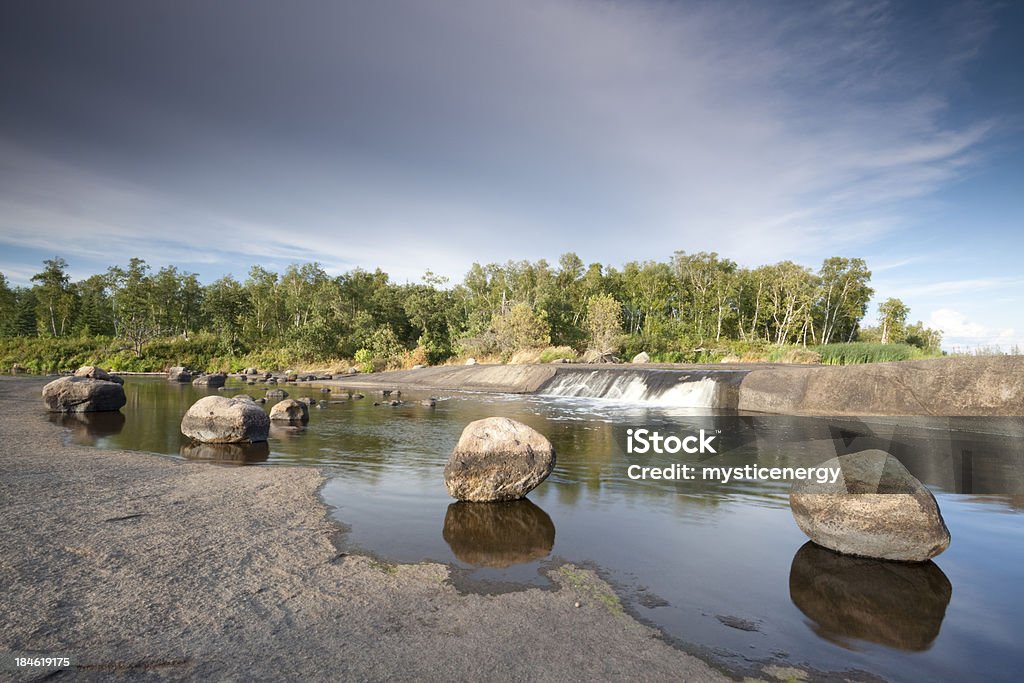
{"type": "Point", "coordinates": [962, 386]}
{"type": "Point", "coordinates": [146, 568]}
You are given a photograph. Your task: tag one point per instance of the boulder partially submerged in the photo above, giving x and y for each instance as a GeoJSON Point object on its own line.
{"type": "Point", "coordinates": [95, 372]}
{"type": "Point", "coordinates": [876, 508]}
{"type": "Point", "coordinates": [290, 410]}
{"type": "Point", "coordinates": [214, 380]}
{"type": "Point", "coordinates": [218, 419]}
{"type": "Point", "coordinates": [498, 459]}
{"type": "Point", "coordinates": [83, 395]}
{"type": "Point", "coordinates": [179, 374]}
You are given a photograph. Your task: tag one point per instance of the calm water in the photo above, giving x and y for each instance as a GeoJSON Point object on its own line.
{"type": "Point", "coordinates": [721, 568]}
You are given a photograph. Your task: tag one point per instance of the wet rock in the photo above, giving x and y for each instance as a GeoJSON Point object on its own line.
{"type": "Point", "coordinates": [429, 402]}
{"type": "Point", "coordinates": [498, 534]}
{"type": "Point", "coordinates": [356, 397]}
{"type": "Point", "coordinates": [306, 399]}
{"type": "Point", "coordinates": [83, 395]}
{"type": "Point", "coordinates": [216, 379]}
{"type": "Point", "coordinates": [325, 390]}
{"type": "Point", "coordinates": [179, 374]}
{"type": "Point", "coordinates": [218, 419]}
{"type": "Point", "coordinates": [498, 459]}
{"type": "Point", "coordinates": [642, 357]}
{"type": "Point", "coordinates": [876, 508]}
{"type": "Point", "coordinates": [277, 393]}
{"type": "Point", "coordinates": [290, 410]}
{"type": "Point", "coordinates": [896, 604]}
{"type": "Point", "coordinates": [738, 623]}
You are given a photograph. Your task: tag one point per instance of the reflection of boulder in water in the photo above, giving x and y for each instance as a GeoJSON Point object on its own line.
{"type": "Point", "coordinates": [498, 534]}
{"type": "Point", "coordinates": [87, 427]}
{"type": "Point", "coordinates": [232, 453]}
{"type": "Point", "coordinates": [896, 604]}
{"type": "Point", "coordinates": [286, 430]}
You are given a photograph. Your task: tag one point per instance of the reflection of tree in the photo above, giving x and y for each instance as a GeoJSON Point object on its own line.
{"type": "Point", "coordinates": [897, 604]}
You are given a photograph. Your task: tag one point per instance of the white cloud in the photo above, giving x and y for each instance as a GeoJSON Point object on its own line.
{"type": "Point", "coordinates": [960, 333]}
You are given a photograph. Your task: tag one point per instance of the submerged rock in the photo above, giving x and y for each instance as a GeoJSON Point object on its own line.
{"type": "Point", "coordinates": [217, 379]}
{"type": "Point", "coordinates": [179, 374]}
{"type": "Point", "coordinates": [876, 508]}
{"type": "Point", "coordinates": [218, 419]}
{"type": "Point", "coordinates": [290, 410]}
{"type": "Point", "coordinates": [95, 372]}
{"type": "Point", "coordinates": [498, 459]}
{"type": "Point", "coordinates": [83, 395]}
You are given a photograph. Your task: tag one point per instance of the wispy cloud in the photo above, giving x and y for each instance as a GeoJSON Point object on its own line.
{"type": "Point", "coordinates": [413, 135]}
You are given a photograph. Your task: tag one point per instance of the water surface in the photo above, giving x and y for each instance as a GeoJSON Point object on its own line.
{"type": "Point", "coordinates": [721, 568]}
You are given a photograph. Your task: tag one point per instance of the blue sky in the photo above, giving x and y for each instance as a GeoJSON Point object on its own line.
{"type": "Point", "coordinates": [410, 135]}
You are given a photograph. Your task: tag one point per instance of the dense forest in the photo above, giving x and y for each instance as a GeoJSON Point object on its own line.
{"type": "Point", "coordinates": [692, 307]}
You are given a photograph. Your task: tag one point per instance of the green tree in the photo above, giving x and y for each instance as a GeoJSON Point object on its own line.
{"type": "Point", "coordinates": [842, 298]}
{"type": "Point", "coordinates": [604, 323]}
{"type": "Point", "coordinates": [520, 328]}
{"type": "Point", "coordinates": [892, 314]}
{"type": "Point", "coordinates": [8, 309]}
{"type": "Point", "coordinates": [55, 298]}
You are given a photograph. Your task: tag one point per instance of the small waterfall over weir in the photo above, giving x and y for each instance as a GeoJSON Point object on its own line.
{"type": "Point", "coordinates": [680, 389]}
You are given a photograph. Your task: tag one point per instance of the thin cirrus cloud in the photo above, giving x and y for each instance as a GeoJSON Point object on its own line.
{"type": "Point", "coordinates": [412, 135]}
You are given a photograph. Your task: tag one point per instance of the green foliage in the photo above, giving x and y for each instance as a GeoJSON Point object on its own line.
{"type": "Point", "coordinates": [553, 353]}
{"type": "Point", "coordinates": [364, 360]}
{"type": "Point", "coordinates": [866, 352]}
{"type": "Point", "coordinates": [604, 323]}
{"type": "Point", "coordinates": [691, 308]}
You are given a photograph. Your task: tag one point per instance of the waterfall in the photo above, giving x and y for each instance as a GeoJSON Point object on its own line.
{"type": "Point", "coordinates": [654, 387]}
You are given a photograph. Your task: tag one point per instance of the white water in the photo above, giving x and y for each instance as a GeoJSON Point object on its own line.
{"type": "Point", "coordinates": [636, 387]}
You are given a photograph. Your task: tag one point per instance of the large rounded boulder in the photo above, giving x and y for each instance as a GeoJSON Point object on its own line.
{"type": "Point", "coordinates": [290, 410]}
{"type": "Point", "coordinates": [218, 419]}
{"type": "Point", "coordinates": [498, 459]}
{"type": "Point", "coordinates": [876, 508]}
{"type": "Point", "coordinates": [83, 395]}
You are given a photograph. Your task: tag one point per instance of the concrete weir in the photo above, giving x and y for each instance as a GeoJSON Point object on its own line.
{"type": "Point", "coordinates": [992, 386]}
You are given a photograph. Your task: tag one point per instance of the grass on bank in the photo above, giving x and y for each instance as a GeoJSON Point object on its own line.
{"type": "Point", "coordinates": [206, 352]}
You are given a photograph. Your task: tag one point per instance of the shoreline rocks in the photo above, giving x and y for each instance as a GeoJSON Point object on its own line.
{"type": "Point", "coordinates": [876, 508]}
{"type": "Point", "coordinates": [214, 381]}
{"type": "Point", "coordinates": [498, 459]}
{"type": "Point", "coordinates": [179, 374]}
{"type": "Point", "coordinates": [218, 419]}
{"type": "Point", "coordinates": [290, 410]}
{"type": "Point", "coordinates": [83, 395]}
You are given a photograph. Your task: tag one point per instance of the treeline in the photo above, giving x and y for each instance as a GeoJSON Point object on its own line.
{"type": "Point", "coordinates": [689, 308]}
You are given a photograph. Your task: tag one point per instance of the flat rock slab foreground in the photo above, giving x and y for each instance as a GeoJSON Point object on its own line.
{"type": "Point", "coordinates": [143, 568]}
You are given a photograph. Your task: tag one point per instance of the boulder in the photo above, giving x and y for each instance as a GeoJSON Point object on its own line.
{"type": "Point", "coordinates": [876, 508]}
{"type": "Point", "coordinates": [251, 371]}
{"type": "Point", "coordinates": [277, 393]}
{"type": "Point", "coordinates": [498, 459]}
{"type": "Point", "coordinates": [215, 380]}
{"type": "Point", "coordinates": [95, 372]}
{"type": "Point", "coordinates": [290, 410]}
{"type": "Point", "coordinates": [179, 374]}
{"type": "Point", "coordinates": [642, 357]}
{"type": "Point", "coordinates": [592, 356]}
{"type": "Point", "coordinates": [429, 402]}
{"type": "Point", "coordinates": [218, 419]}
{"type": "Point", "coordinates": [471, 361]}
{"type": "Point", "coordinates": [83, 395]}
